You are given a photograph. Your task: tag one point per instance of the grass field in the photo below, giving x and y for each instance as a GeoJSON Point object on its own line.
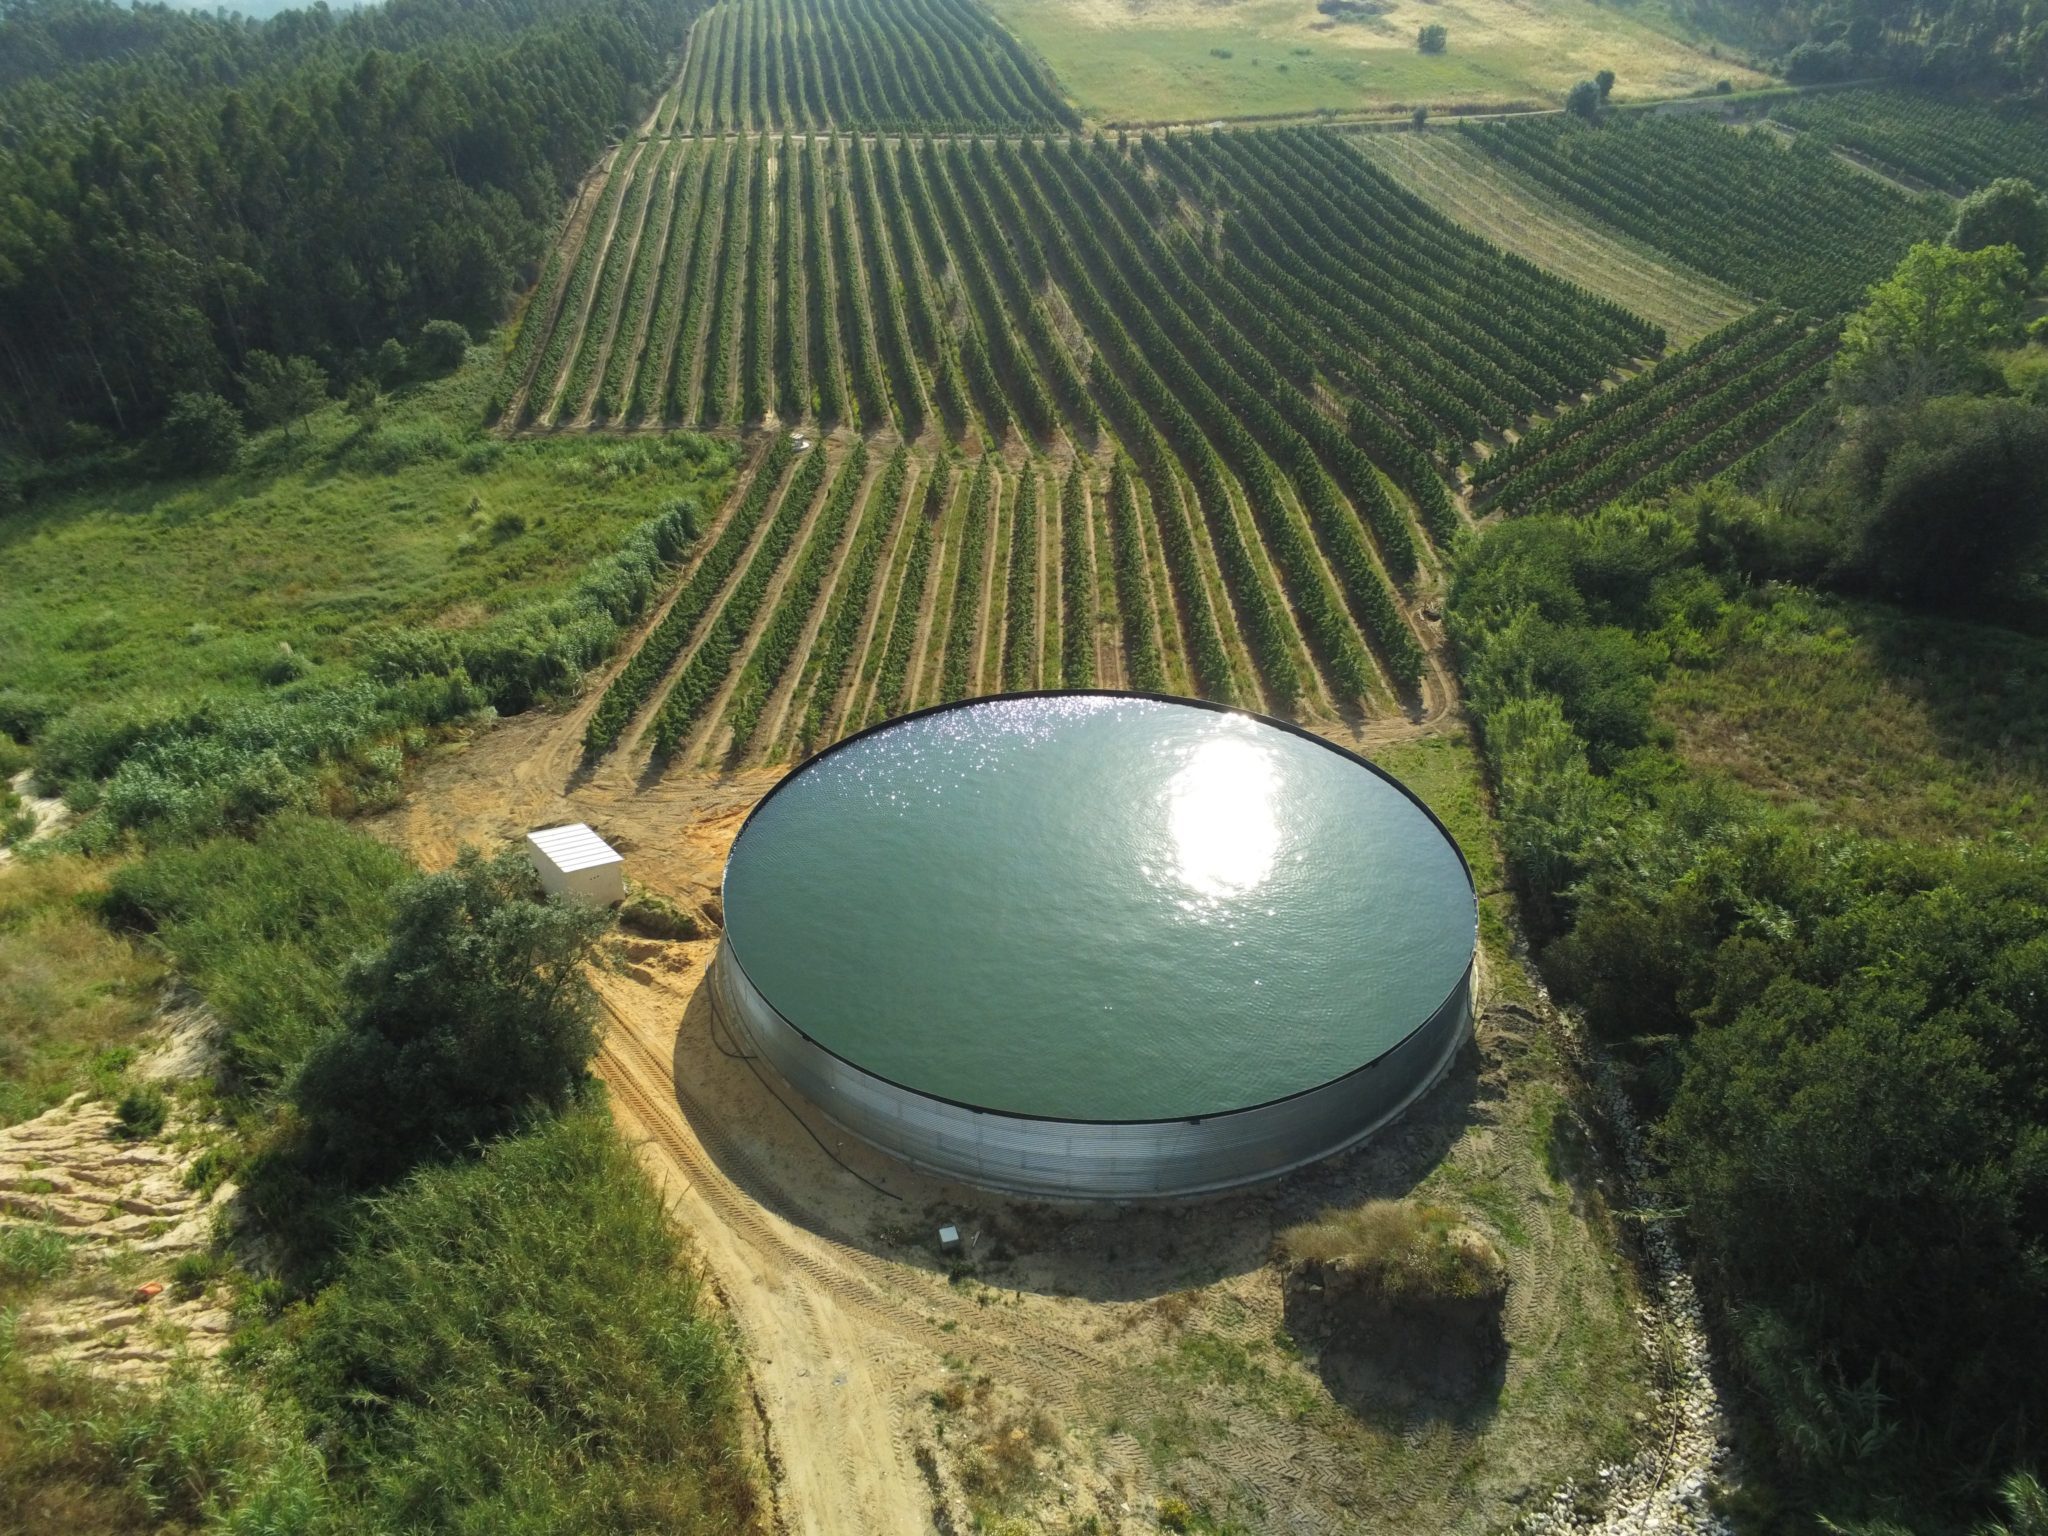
{"type": "Point", "coordinates": [1887, 724]}
{"type": "Point", "coordinates": [168, 589]}
{"type": "Point", "coordinates": [1447, 171]}
{"type": "Point", "coordinates": [1184, 61]}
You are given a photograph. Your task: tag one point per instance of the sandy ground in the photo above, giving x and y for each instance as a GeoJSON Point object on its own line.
{"type": "Point", "coordinates": [124, 1209]}
{"type": "Point", "coordinates": [49, 811]}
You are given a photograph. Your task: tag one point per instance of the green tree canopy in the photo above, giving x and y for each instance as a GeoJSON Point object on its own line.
{"type": "Point", "coordinates": [282, 389]}
{"type": "Point", "coordinates": [2007, 212]}
{"type": "Point", "coordinates": [1926, 327]}
{"type": "Point", "coordinates": [201, 435]}
{"type": "Point", "coordinates": [1955, 499]}
{"type": "Point", "coordinates": [1584, 100]}
{"type": "Point", "coordinates": [475, 1015]}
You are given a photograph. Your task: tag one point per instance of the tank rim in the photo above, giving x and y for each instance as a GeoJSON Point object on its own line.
{"type": "Point", "coordinates": [729, 952]}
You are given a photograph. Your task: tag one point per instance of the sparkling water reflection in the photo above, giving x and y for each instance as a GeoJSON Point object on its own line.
{"type": "Point", "coordinates": [1098, 908]}
{"type": "Point", "coordinates": [1222, 816]}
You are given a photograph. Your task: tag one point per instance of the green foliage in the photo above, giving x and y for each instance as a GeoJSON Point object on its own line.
{"type": "Point", "coordinates": [280, 390]}
{"type": "Point", "coordinates": [1133, 582]}
{"type": "Point", "coordinates": [834, 648]}
{"type": "Point", "coordinates": [515, 1343]}
{"type": "Point", "coordinates": [201, 434]}
{"type": "Point", "coordinates": [635, 683]}
{"type": "Point", "coordinates": [2009, 211]}
{"type": "Point", "coordinates": [962, 651]}
{"type": "Point", "coordinates": [1733, 389]}
{"type": "Point", "coordinates": [1077, 585]}
{"type": "Point", "coordinates": [262, 927]}
{"type": "Point", "coordinates": [1791, 224]}
{"type": "Point", "coordinates": [100, 1460]}
{"type": "Point", "coordinates": [441, 347]}
{"type": "Point", "coordinates": [1583, 101]}
{"type": "Point", "coordinates": [882, 66]}
{"type": "Point", "coordinates": [142, 1111]}
{"type": "Point", "coordinates": [1605, 81]}
{"type": "Point", "coordinates": [1947, 140]}
{"type": "Point", "coordinates": [776, 647]}
{"type": "Point", "coordinates": [1403, 1250]}
{"type": "Point", "coordinates": [1925, 329]}
{"type": "Point", "coordinates": [1432, 38]}
{"type": "Point", "coordinates": [31, 1255]}
{"type": "Point", "coordinates": [701, 678]}
{"type": "Point", "coordinates": [1830, 1036]}
{"type": "Point", "coordinates": [474, 1018]}
{"type": "Point", "coordinates": [1952, 499]}
{"type": "Point", "coordinates": [201, 188]}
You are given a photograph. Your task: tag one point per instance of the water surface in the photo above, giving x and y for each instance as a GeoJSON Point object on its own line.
{"type": "Point", "coordinates": [1098, 908]}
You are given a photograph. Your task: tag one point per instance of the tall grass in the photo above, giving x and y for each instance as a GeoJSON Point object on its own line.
{"type": "Point", "coordinates": [516, 1344]}
{"type": "Point", "coordinates": [262, 926]}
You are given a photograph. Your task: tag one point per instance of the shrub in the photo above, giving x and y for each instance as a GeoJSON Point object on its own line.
{"type": "Point", "coordinates": [263, 926]}
{"type": "Point", "coordinates": [474, 1016]}
{"type": "Point", "coordinates": [142, 1111]}
{"type": "Point", "coordinates": [516, 1344]}
{"type": "Point", "coordinates": [442, 346]}
{"type": "Point", "coordinates": [1434, 38]}
{"type": "Point", "coordinates": [30, 1256]}
{"type": "Point", "coordinates": [201, 435]}
{"type": "Point", "coordinates": [654, 916]}
{"type": "Point", "coordinates": [1403, 1250]}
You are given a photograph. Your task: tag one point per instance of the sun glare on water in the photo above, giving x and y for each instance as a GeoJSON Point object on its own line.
{"type": "Point", "coordinates": [1223, 817]}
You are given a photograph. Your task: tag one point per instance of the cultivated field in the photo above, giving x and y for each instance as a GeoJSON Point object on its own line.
{"type": "Point", "coordinates": [1792, 224]}
{"type": "Point", "coordinates": [1210, 465]}
{"type": "Point", "coordinates": [1950, 145]}
{"type": "Point", "coordinates": [1186, 61]}
{"type": "Point", "coordinates": [1449, 172]}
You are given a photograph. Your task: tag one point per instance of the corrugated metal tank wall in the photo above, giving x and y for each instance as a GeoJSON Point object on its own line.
{"type": "Point", "coordinates": [1085, 1159]}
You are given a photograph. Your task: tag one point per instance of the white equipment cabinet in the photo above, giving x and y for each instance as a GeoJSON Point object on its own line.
{"type": "Point", "coordinates": [578, 865]}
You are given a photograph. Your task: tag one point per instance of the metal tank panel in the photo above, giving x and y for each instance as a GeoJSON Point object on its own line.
{"type": "Point", "coordinates": [1078, 1159]}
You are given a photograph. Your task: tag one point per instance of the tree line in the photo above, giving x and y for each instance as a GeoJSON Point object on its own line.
{"type": "Point", "coordinates": [186, 190]}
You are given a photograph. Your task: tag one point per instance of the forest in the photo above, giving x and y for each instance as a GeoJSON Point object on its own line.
{"type": "Point", "coordinates": [188, 192]}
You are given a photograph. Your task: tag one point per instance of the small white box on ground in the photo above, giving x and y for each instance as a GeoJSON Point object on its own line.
{"type": "Point", "coordinates": [949, 1239]}
{"type": "Point", "coordinates": [578, 865]}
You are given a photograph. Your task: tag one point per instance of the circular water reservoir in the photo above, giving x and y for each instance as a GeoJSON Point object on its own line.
{"type": "Point", "coordinates": [1097, 944]}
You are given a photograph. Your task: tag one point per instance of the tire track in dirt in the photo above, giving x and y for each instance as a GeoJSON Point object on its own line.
{"type": "Point", "coordinates": [628, 259]}
{"type": "Point", "coordinates": [782, 704]}
{"type": "Point", "coordinates": [850, 702]}
{"type": "Point", "coordinates": [626, 166]}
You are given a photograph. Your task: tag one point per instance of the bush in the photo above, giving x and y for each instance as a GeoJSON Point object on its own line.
{"type": "Point", "coordinates": [442, 346]}
{"type": "Point", "coordinates": [263, 927]}
{"type": "Point", "coordinates": [2009, 211]}
{"type": "Point", "coordinates": [395, 446]}
{"type": "Point", "coordinates": [1434, 38]}
{"type": "Point", "coordinates": [31, 1255]}
{"type": "Point", "coordinates": [201, 435]}
{"type": "Point", "coordinates": [1401, 1250]}
{"type": "Point", "coordinates": [656, 917]}
{"type": "Point", "coordinates": [516, 1344]}
{"type": "Point", "coordinates": [142, 1111]}
{"type": "Point", "coordinates": [475, 1016]}
{"type": "Point", "coordinates": [1955, 500]}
